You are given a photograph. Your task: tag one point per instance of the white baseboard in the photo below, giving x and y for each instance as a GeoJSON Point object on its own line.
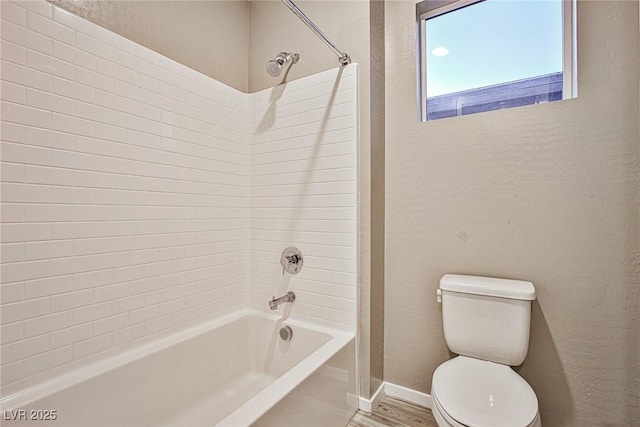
{"type": "Point", "coordinates": [407, 394]}
{"type": "Point", "coordinates": [397, 391]}
{"type": "Point", "coordinates": [367, 405]}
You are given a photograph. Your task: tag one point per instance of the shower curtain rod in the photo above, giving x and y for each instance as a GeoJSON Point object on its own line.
{"type": "Point", "coordinates": [342, 57]}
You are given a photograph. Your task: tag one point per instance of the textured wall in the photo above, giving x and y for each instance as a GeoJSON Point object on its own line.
{"type": "Point", "coordinates": [547, 193]}
{"type": "Point", "coordinates": [274, 28]}
{"type": "Point", "coordinates": [378, 135]}
{"type": "Point", "coordinates": [304, 194]}
{"type": "Point", "coordinates": [209, 36]}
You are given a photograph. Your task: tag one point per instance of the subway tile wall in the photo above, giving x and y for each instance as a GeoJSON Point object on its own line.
{"type": "Point", "coordinates": [124, 193]}
{"type": "Point", "coordinates": [139, 196]}
{"type": "Point", "coordinates": [304, 194]}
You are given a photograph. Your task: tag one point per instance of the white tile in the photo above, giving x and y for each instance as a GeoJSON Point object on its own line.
{"type": "Point", "coordinates": [23, 232]}
{"type": "Point", "coordinates": [72, 125]}
{"type": "Point", "coordinates": [92, 212]}
{"type": "Point", "coordinates": [14, 13]}
{"type": "Point", "coordinates": [159, 324]}
{"type": "Point", "coordinates": [12, 212]}
{"type": "Point", "coordinates": [48, 101]}
{"type": "Point", "coordinates": [111, 292]}
{"type": "Point", "coordinates": [76, 264]}
{"type": "Point", "coordinates": [49, 285]}
{"type": "Point", "coordinates": [12, 172]}
{"type": "Point", "coordinates": [92, 312]}
{"type": "Point", "coordinates": [71, 300]}
{"type": "Point", "coordinates": [73, 90]}
{"type": "Point", "coordinates": [48, 138]}
{"type": "Point", "coordinates": [93, 112]}
{"type": "Point", "coordinates": [19, 271]}
{"type": "Point", "coordinates": [74, 21]}
{"type": "Point", "coordinates": [114, 39]}
{"type": "Point", "coordinates": [12, 252]}
{"type": "Point", "coordinates": [25, 348]}
{"type": "Point", "coordinates": [128, 334]}
{"type": "Point", "coordinates": [21, 75]}
{"type": "Point", "coordinates": [13, 92]}
{"type": "Point", "coordinates": [142, 183]}
{"type": "Point", "coordinates": [49, 65]}
{"type": "Point", "coordinates": [12, 132]}
{"type": "Point", "coordinates": [92, 346]}
{"type": "Point", "coordinates": [46, 212]}
{"type": "Point", "coordinates": [48, 175]}
{"type": "Point", "coordinates": [11, 332]}
{"type": "Point", "coordinates": [43, 8]}
{"type": "Point", "coordinates": [25, 115]}
{"type": "Point", "coordinates": [93, 246]}
{"type": "Point", "coordinates": [96, 47]}
{"type": "Point", "coordinates": [26, 154]}
{"type": "Point", "coordinates": [71, 230]}
{"type": "Point", "coordinates": [50, 28]}
{"type": "Point", "coordinates": [27, 193]}
{"type": "Point", "coordinates": [92, 279]}
{"type": "Point", "coordinates": [26, 38]}
{"type": "Point", "coordinates": [73, 55]}
{"type": "Point", "coordinates": [71, 335]}
{"type": "Point", "coordinates": [43, 324]}
{"type": "Point", "coordinates": [127, 304]}
{"type": "Point", "coordinates": [12, 371]}
{"type": "Point", "coordinates": [11, 292]}
{"type": "Point", "coordinates": [93, 79]}
{"type": "Point", "coordinates": [48, 360]}
{"type": "Point", "coordinates": [110, 324]}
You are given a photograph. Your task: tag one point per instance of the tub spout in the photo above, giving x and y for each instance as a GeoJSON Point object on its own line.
{"type": "Point", "coordinates": [288, 297]}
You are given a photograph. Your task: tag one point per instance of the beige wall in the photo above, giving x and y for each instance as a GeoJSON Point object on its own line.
{"type": "Point", "coordinates": [274, 28]}
{"type": "Point", "coordinates": [378, 139]}
{"type": "Point", "coordinates": [547, 193]}
{"type": "Point", "coordinates": [211, 37]}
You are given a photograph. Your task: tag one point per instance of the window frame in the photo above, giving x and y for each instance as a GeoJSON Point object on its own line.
{"type": "Point", "coordinates": [427, 9]}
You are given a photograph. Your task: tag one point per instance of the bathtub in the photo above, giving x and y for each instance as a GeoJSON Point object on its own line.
{"type": "Point", "coordinates": [232, 371]}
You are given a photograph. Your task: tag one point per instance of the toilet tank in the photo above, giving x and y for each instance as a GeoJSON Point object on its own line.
{"type": "Point", "coordinates": [487, 318]}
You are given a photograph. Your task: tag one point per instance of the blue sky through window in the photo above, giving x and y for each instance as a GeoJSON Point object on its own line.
{"type": "Point", "coordinates": [492, 42]}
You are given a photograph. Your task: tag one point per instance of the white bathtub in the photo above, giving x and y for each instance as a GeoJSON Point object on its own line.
{"type": "Point", "coordinates": [234, 371]}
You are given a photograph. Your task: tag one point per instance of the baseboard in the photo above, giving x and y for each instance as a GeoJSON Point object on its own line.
{"type": "Point", "coordinates": [407, 394]}
{"type": "Point", "coordinates": [367, 405]}
{"type": "Point", "coordinates": [397, 391]}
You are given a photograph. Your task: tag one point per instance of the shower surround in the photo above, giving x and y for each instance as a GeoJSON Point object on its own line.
{"type": "Point", "coordinates": [140, 197]}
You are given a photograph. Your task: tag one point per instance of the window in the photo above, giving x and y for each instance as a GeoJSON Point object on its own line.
{"type": "Point", "coordinates": [483, 55]}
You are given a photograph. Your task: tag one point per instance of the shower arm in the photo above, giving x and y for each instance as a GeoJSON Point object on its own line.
{"type": "Point", "coordinates": [342, 57]}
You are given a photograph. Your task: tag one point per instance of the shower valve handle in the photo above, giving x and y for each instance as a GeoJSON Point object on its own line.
{"type": "Point", "coordinates": [291, 260]}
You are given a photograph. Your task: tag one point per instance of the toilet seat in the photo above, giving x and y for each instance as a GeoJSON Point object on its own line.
{"type": "Point", "coordinates": [473, 392]}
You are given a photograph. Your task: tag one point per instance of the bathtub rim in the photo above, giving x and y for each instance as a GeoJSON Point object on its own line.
{"type": "Point", "coordinates": [261, 403]}
{"type": "Point", "coordinates": [100, 366]}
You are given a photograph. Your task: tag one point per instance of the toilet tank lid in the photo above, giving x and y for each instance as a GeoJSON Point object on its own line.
{"type": "Point", "coordinates": [488, 286]}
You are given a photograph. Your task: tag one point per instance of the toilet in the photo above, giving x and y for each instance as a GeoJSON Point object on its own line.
{"type": "Point", "coordinates": [486, 322]}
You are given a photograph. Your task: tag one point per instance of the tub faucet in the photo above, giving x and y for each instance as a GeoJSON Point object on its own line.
{"type": "Point", "coordinates": [275, 302]}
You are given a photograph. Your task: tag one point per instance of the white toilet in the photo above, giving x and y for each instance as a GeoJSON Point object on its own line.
{"type": "Point", "coordinates": [486, 322]}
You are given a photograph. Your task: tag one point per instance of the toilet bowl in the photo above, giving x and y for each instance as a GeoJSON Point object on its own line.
{"type": "Point", "coordinates": [486, 321]}
{"type": "Point", "coordinates": [473, 392]}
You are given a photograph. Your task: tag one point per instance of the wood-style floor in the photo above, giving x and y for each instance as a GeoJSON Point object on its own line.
{"type": "Point", "coordinates": [392, 412]}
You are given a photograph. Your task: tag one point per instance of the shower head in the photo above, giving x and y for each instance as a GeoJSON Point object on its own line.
{"type": "Point", "coordinates": [275, 66]}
